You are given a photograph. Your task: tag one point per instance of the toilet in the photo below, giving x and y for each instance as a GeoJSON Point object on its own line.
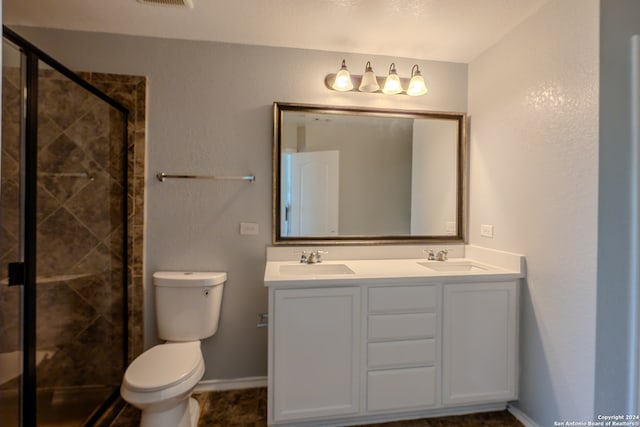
{"type": "Point", "coordinates": [160, 381]}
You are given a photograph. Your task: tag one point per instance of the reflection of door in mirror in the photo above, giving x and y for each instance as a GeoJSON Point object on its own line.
{"type": "Point", "coordinates": [310, 193]}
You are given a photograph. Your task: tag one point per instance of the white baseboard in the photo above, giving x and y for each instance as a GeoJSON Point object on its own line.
{"type": "Point", "coordinates": [230, 384]}
{"type": "Point", "coordinates": [522, 417]}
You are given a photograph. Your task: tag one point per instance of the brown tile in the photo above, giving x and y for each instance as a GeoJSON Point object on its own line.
{"type": "Point", "coordinates": [129, 417]}
{"type": "Point", "coordinates": [10, 208]}
{"type": "Point", "coordinates": [11, 75]}
{"type": "Point", "coordinates": [61, 314]}
{"type": "Point", "coordinates": [140, 147]}
{"type": "Point", "coordinates": [10, 166]}
{"type": "Point", "coordinates": [47, 204]}
{"type": "Point", "coordinates": [485, 419]}
{"type": "Point", "coordinates": [48, 131]}
{"type": "Point", "coordinates": [9, 318]}
{"type": "Point", "coordinates": [234, 408]}
{"type": "Point", "coordinates": [87, 130]}
{"type": "Point", "coordinates": [62, 242]}
{"type": "Point", "coordinates": [406, 423]}
{"type": "Point", "coordinates": [64, 156]}
{"type": "Point", "coordinates": [63, 101]}
{"type": "Point", "coordinates": [98, 205]}
{"type": "Point", "coordinates": [249, 408]}
{"type": "Point", "coordinates": [138, 236]}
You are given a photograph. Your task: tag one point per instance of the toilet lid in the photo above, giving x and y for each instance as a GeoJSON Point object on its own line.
{"type": "Point", "coordinates": [163, 366]}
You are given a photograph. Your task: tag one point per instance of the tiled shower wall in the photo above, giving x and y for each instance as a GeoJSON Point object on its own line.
{"type": "Point", "coordinates": [131, 91]}
{"type": "Point", "coordinates": [79, 296]}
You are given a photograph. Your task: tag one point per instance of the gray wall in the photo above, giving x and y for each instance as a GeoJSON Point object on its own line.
{"type": "Point", "coordinates": [533, 103]}
{"type": "Point", "coordinates": [619, 19]}
{"type": "Point", "coordinates": [210, 111]}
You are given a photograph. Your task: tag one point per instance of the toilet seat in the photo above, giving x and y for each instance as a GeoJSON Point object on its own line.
{"type": "Point", "coordinates": [164, 366]}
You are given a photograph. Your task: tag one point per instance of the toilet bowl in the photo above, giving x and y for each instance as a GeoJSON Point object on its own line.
{"type": "Point", "coordinates": [160, 381]}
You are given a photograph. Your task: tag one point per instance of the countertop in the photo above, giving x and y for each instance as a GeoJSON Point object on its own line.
{"type": "Point", "coordinates": [387, 271]}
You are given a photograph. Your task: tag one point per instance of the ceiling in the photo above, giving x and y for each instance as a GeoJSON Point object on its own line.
{"type": "Point", "coordinates": [442, 30]}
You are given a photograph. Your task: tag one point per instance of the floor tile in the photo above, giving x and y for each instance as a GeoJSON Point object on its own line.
{"type": "Point", "coordinates": [248, 408]}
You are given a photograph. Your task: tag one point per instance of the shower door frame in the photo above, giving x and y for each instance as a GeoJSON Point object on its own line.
{"type": "Point", "coordinates": [33, 55]}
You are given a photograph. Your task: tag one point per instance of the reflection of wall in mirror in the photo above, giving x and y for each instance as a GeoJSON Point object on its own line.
{"type": "Point", "coordinates": [434, 181]}
{"type": "Point", "coordinates": [375, 172]}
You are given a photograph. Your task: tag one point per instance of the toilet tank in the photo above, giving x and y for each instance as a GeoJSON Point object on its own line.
{"type": "Point", "coordinates": [188, 304]}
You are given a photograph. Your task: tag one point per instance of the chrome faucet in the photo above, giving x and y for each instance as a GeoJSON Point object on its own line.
{"type": "Point", "coordinates": [314, 257]}
{"type": "Point", "coordinates": [442, 255]}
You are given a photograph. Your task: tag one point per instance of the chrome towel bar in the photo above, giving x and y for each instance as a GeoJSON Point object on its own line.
{"type": "Point", "coordinates": [162, 176]}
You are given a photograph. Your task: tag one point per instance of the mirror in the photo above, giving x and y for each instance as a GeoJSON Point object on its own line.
{"type": "Point", "coordinates": [355, 175]}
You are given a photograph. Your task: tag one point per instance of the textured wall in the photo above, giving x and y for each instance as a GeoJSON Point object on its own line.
{"type": "Point", "coordinates": [210, 111]}
{"type": "Point", "coordinates": [533, 105]}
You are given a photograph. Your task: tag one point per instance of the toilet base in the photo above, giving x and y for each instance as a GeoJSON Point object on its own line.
{"type": "Point", "coordinates": [184, 413]}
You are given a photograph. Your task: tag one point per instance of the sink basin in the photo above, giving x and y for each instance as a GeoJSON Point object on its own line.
{"type": "Point", "coordinates": [453, 266]}
{"type": "Point", "coordinates": [315, 269]}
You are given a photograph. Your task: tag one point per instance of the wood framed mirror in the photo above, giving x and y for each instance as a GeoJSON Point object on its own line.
{"type": "Point", "coordinates": [350, 175]}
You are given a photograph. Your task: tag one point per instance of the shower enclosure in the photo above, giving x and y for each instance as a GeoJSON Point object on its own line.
{"type": "Point", "coordinates": [63, 243]}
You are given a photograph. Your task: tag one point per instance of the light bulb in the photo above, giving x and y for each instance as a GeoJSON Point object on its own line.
{"type": "Point", "coordinates": [416, 85]}
{"type": "Point", "coordinates": [392, 84]}
{"type": "Point", "coordinates": [369, 82]}
{"type": "Point", "coordinates": [343, 82]}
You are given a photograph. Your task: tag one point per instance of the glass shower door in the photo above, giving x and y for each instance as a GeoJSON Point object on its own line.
{"type": "Point", "coordinates": [81, 214]}
{"type": "Point", "coordinates": [11, 231]}
{"type": "Point", "coordinates": [63, 228]}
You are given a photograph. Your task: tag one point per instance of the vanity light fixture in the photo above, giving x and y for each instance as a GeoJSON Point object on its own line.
{"type": "Point", "coordinates": [416, 84]}
{"type": "Point", "coordinates": [369, 81]}
{"type": "Point", "coordinates": [392, 84]}
{"type": "Point", "coordinates": [343, 81]}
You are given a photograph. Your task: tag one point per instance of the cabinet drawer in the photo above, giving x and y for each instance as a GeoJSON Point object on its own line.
{"type": "Point", "coordinates": [401, 388]}
{"type": "Point", "coordinates": [403, 298]}
{"type": "Point", "coordinates": [401, 353]}
{"type": "Point", "coordinates": [399, 326]}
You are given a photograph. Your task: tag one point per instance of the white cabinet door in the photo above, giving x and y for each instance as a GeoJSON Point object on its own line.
{"type": "Point", "coordinates": [316, 352]}
{"type": "Point", "coordinates": [480, 342]}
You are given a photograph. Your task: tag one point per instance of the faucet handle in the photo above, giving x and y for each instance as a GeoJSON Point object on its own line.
{"type": "Point", "coordinates": [303, 256]}
{"type": "Point", "coordinates": [431, 255]}
{"type": "Point", "coordinates": [319, 254]}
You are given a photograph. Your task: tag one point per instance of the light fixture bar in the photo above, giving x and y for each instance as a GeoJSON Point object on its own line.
{"type": "Point", "coordinates": [357, 80]}
{"type": "Point", "coordinates": [370, 83]}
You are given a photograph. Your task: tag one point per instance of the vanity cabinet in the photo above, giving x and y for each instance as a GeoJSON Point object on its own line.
{"type": "Point", "coordinates": [345, 355]}
{"type": "Point", "coordinates": [315, 334]}
{"type": "Point", "coordinates": [480, 343]}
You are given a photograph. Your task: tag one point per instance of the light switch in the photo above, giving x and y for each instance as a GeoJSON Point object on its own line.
{"type": "Point", "coordinates": [248, 228]}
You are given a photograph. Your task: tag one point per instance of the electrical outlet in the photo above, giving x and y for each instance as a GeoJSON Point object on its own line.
{"type": "Point", "coordinates": [450, 228]}
{"type": "Point", "coordinates": [486, 230]}
{"type": "Point", "coordinates": [249, 228]}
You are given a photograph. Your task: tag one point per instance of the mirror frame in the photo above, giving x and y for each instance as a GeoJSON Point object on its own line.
{"type": "Point", "coordinates": [279, 108]}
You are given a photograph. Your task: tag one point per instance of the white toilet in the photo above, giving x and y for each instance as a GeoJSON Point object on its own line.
{"type": "Point", "coordinates": [160, 380]}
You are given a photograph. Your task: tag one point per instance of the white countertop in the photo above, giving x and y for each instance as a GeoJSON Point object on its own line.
{"type": "Point", "coordinates": [389, 271]}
